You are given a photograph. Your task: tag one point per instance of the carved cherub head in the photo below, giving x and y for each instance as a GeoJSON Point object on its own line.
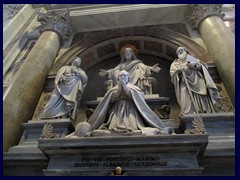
{"type": "Point", "coordinates": [82, 129]}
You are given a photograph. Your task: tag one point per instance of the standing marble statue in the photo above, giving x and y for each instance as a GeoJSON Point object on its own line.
{"type": "Point", "coordinates": [139, 72]}
{"type": "Point", "coordinates": [194, 87]}
{"type": "Point", "coordinates": [70, 83]}
{"type": "Point", "coordinates": [123, 110]}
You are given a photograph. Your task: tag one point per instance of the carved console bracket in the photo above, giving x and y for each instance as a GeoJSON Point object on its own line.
{"type": "Point", "coordinates": [198, 126]}
{"type": "Point", "coordinates": [47, 132]}
{"type": "Point", "coordinates": [195, 13]}
{"type": "Point", "coordinates": [57, 22]}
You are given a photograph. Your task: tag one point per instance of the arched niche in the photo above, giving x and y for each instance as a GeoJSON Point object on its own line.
{"type": "Point", "coordinates": [158, 47]}
{"type": "Point", "coordinates": [161, 42]}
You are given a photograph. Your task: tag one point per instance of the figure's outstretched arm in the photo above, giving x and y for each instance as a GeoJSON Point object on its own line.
{"type": "Point", "coordinates": [155, 68]}
{"type": "Point", "coordinates": [104, 72]}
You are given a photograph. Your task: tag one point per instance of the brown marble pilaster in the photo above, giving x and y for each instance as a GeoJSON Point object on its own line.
{"type": "Point", "coordinates": [219, 40]}
{"type": "Point", "coordinates": [21, 97]}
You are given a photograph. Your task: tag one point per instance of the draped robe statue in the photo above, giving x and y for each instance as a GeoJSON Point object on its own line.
{"type": "Point", "coordinates": [195, 89]}
{"type": "Point", "coordinates": [123, 110]}
{"type": "Point", "coordinates": [70, 83]}
{"type": "Point", "coordinates": [140, 73]}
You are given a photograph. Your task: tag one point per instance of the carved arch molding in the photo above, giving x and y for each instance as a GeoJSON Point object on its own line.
{"type": "Point", "coordinates": [94, 47]}
{"type": "Point", "coordinates": [100, 50]}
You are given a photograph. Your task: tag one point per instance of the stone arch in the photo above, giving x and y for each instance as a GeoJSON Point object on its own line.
{"type": "Point", "coordinates": [158, 47]}
{"type": "Point", "coordinates": [162, 44]}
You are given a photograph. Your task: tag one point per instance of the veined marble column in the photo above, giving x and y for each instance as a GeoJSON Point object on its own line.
{"type": "Point", "coordinates": [22, 96]}
{"type": "Point", "coordinates": [219, 39]}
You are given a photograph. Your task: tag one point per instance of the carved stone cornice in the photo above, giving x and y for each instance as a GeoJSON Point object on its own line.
{"type": "Point", "coordinates": [195, 13]}
{"type": "Point", "coordinates": [57, 22]}
{"type": "Point", "coordinates": [10, 10]}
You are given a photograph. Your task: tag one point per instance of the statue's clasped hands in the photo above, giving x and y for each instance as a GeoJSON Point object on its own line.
{"type": "Point", "coordinates": [122, 86]}
{"type": "Point", "coordinates": [75, 71]}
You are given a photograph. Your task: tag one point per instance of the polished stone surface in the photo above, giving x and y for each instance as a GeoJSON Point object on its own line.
{"type": "Point", "coordinates": [221, 130]}
{"type": "Point", "coordinates": [21, 98]}
{"type": "Point", "coordinates": [220, 42]}
{"type": "Point", "coordinates": [13, 25]}
{"type": "Point", "coordinates": [26, 158]}
{"type": "Point", "coordinates": [138, 155]}
{"type": "Point", "coordinates": [219, 156]}
{"type": "Point", "coordinates": [136, 14]}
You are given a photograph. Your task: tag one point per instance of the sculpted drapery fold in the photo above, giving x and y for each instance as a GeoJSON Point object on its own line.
{"type": "Point", "coordinates": [196, 92]}
{"type": "Point", "coordinates": [70, 83]}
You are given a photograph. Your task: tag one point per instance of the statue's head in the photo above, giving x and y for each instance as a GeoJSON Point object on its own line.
{"type": "Point", "coordinates": [181, 53]}
{"type": "Point", "coordinates": [128, 52]}
{"type": "Point", "coordinates": [124, 76]}
{"type": "Point", "coordinates": [77, 62]}
{"type": "Point", "coordinates": [82, 128]}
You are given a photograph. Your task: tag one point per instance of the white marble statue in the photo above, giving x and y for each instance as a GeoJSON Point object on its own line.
{"type": "Point", "coordinates": [124, 111]}
{"type": "Point", "coordinates": [70, 83]}
{"type": "Point", "coordinates": [194, 87]}
{"type": "Point", "coordinates": [140, 73]}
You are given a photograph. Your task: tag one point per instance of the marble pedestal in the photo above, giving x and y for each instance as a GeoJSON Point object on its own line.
{"type": "Point", "coordinates": [219, 156]}
{"type": "Point", "coordinates": [26, 159]}
{"type": "Point", "coordinates": [137, 155]}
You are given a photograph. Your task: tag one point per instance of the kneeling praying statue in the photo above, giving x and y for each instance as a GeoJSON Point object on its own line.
{"type": "Point", "coordinates": [124, 111]}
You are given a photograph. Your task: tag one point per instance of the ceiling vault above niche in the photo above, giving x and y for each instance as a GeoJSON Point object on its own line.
{"type": "Point", "coordinates": [158, 42]}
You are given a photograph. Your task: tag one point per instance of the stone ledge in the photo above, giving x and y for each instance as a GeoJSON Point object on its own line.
{"type": "Point", "coordinates": [137, 155]}
{"type": "Point", "coordinates": [47, 145]}
{"type": "Point", "coordinates": [221, 130]}
{"type": "Point", "coordinates": [130, 172]}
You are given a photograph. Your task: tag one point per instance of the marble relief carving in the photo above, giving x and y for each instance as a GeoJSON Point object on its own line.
{"type": "Point", "coordinates": [198, 126]}
{"type": "Point", "coordinates": [10, 10]}
{"type": "Point", "coordinates": [58, 22]}
{"type": "Point", "coordinates": [47, 132]}
{"type": "Point", "coordinates": [226, 105]}
{"type": "Point", "coordinates": [19, 61]}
